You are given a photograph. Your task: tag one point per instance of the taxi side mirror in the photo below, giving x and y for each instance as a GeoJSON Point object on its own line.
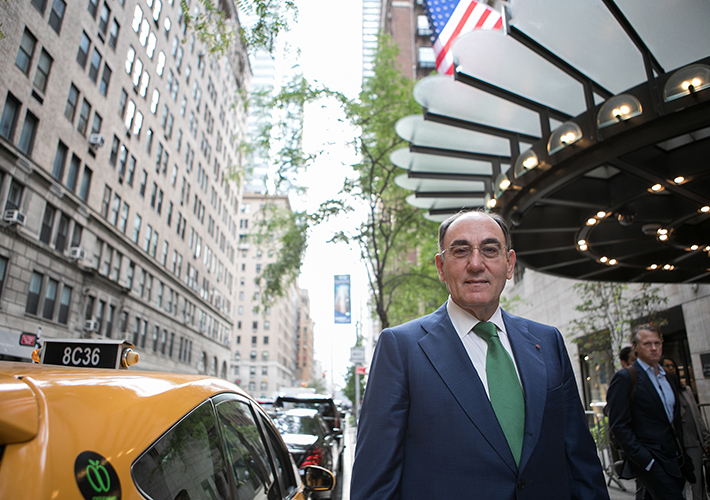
{"type": "Point", "coordinates": [318, 479]}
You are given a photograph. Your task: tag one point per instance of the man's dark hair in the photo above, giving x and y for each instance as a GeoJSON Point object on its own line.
{"type": "Point", "coordinates": [496, 217]}
{"type": "Point", "coordinates": [649, 327]}
{"type": "Point", "coordinates": [624, 354]}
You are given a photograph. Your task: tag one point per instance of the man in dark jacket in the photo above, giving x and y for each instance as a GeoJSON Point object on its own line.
{"type": "Point", "coordinates": [647, 425]}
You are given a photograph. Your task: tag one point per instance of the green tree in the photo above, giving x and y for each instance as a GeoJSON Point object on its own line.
{"type": "Point", "coordinates": [349, 389]}
{"type": "Point", "coordinates": [610, 309]}
{"type": "Point", "coordinates": [397, 243]}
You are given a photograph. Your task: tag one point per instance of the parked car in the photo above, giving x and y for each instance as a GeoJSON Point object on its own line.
{"type": "Point", "coordinates": [324, 404]}
{"type": "Point", "coordinates": [72, 431]}
{"type": "Point", "coordinates": [308, 439]}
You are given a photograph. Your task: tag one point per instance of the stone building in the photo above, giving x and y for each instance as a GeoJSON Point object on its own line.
{"type": "Point", "coordinates": [117, 143]}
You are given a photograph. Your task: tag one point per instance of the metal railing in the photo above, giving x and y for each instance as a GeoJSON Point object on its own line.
{"type": "Point", "coordinates": [610, 457]}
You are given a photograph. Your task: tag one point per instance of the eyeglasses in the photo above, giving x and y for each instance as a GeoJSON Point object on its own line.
{"type": "Point", "coordinates": [668, 365]}
{"type": "Point", "coordinates": [489, 251]}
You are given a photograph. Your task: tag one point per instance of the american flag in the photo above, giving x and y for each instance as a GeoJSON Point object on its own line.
{"type": "Point", "coordinates": [451, 18]}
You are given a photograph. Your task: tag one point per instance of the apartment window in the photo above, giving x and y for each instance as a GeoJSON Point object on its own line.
{"type": "Point", "coordinates": [113, 34]}
{"type": "Point", "coordinates": [136, 228]}
{"type": "Point", "coordinates": [44, 65]}
{"type": "Point", "coordinates": [62, 231]}
{"type": "Point", "coordinates": [154, 101]}
{"type": "Point", "coordinates": [72, 100]}
{"type": "Point", "coordinates": [96, 124]}
{"type": "Point", "coordinates": [9, 117]}
{"type": "Point", "coordinates": [103, 18]}
{"type": "Point", "coordinates": [34, 293]}
{"type": "Point", "coordinates": [84, 117]}
{"type": "Point", "coordinates": [122, 103]}
{"type": "Point", "coordinates": [3, 270]}
{"type": "Point", "coordinates": [153, 244]}
{"type": "Point", "coordinates": [26, 51]}
{"type": "Point", "coordinates": [129, 276]}
{"type": "Point", "coordinates": [45, 234]}
{"type": "Point", "coordinates": [109, 320]}
{"type": "Point", "coordinates": [27, 137]}
{"type": "Point", "coordinates": [123, 217]}
{"type": "Point", "coordinates": [164, 254]}
{"type": "Point", "coordinates": [161, 63]}
{"type": "Point", "coordinates": [93, 7]}
{"type": "Point", "coordinates": [14, 196]}
{"type": "Point", "coordinates": [122, 163]}
{"type": "Point", "coordinates": [57, 15]}
{"type": "Point", "coordinates": [131, 170]}
{"type": "Point", "coordinates": [40, 5]}
{"type": "Point", "coordinates": [147, 236]}
{"type": "Point", "coordinates": [64, 305]}
{"type": "Point", "coordinates": [427, 57]}
{"type": "Point", "coordinates": [83, 53]}
{"type": "Point", "coordinates": [85, 184]}
{"type": "Point", "coordinates": [105, 202]}
{"type": "Point", "coordinates": [105, 80]}
{"type": "Point", "coordinates": [115, 207]}
{"type": "Point", "coordinates": [144, 181]}
{"type": "Point", "coordinates": [73, 175]}
{"type": "Point", "coordinates": [50, 298]}
{"type": "Point", "coordinates": [95, 65]}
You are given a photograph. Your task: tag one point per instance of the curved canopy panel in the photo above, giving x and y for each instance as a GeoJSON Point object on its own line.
{"type": "Point", "coordinates": [589, 129]}
{"type": "Point", "coordinates": [507, 64]}
{"type": "Point", "coordinates": [441, 95]}
{"type": "Point", "coordinates": [417, 131]}
{"type": "Point", "coordinates": [435, 165]}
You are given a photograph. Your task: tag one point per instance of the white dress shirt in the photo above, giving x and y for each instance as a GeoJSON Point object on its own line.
{"type": "Point", "coordinates": [476, 347]}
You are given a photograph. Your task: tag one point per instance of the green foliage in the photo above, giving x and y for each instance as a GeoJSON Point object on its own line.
{"type": "Point", "coordinates": [396, 243]}
{"type": "Point", "coordinates": [284, 233]}
{"type": "Point", "coordinates": [349, 389]}
{"type": "Point", "coordinates": [609, 310]}
{"type": "Point", "coordinates": [218, 31]}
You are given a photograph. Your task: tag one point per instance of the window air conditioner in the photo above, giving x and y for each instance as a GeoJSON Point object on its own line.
{"type": "Point", "coordinates": [91, 325]}
{"type": "Point", "coordinates": [14, 217]}
{"type": "Point", "coordinates": [96, 140]}
{"type": "Point", "coordinates": [76, 253]}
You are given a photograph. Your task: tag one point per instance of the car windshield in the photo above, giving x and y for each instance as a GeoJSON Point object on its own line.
{"type": "Point", "coordinates": [292, 424]}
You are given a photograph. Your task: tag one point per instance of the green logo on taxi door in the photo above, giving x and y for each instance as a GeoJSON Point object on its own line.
{"type": "Point", "coordinates": [96, 477]}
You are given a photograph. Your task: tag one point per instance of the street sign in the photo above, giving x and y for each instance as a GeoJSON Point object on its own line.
{"type": "Point", "coordinates": [357, 355]}
{"type": "Point", "coordinates": [360, 370]}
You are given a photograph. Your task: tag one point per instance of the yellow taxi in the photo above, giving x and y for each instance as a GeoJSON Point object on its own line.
{"type": "Point", "coordinates": [79, 425]}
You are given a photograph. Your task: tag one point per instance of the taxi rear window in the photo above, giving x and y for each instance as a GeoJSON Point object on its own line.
{"type": "Point", "coordinates": [186, 462]}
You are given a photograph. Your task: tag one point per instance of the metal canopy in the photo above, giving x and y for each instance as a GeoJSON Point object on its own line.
{"type": "Point", "coordinates": [626, 197]}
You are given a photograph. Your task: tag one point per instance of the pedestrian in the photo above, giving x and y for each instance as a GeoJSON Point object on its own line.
{"type": "Point", "coordinates": [627, 356]}
{"type": "Point", "coordinates": [470, 401]}
{"type": "Point", "coordinates": [696, 437]}
{"type": "Point", "coordinates": [647, 424]}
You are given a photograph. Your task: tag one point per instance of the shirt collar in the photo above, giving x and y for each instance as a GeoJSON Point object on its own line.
{"type": "Point", "coordinates": [646, 367]}
{"type": "Point", "coordinates": [464, 321]}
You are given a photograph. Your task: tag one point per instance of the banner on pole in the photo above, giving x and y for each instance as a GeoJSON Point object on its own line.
{"type": "Point", "coordinates": [342, 298]}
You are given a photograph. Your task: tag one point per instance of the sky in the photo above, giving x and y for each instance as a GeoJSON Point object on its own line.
{"type": "Point", "coordinates": [328, 35]}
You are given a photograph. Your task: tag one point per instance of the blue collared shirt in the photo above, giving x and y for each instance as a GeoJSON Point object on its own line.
{"type": "Point", "coordinates": [663, 387]}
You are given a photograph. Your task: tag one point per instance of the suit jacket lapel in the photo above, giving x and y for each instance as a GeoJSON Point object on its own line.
{"type": "Point", "coordinates": [533, 376]}
{"type": "Point", "coordinates": [645, 379]}
{"type": "Point", "coordinates": [445, 351]}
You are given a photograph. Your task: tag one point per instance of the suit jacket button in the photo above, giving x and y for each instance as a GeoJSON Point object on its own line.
{"type": "Point", "coordinates": [521, 485]}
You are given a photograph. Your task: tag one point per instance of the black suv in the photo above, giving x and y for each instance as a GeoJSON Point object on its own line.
{"type": "Point", "coordinates": [325, 406]}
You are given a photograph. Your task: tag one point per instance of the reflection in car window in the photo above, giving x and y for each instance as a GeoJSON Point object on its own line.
{"type": "Point", "coordinates": [293, 424]}
{"type": "Point", "coordinates": [284, 462]}
{"type": "Point", "coordinates": [186, 462]}
{"type": "Point", "coordinates": [247, 453]}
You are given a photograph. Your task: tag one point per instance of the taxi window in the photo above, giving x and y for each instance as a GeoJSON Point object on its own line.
{"type": "Point", "coordinates": [187, 462]}
{"type": "Point", "coordinates": [252, 472]}
{"type": "Point", "coordinates": [284, 462]}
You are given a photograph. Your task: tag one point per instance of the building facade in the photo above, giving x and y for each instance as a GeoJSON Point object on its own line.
{"type": "Point", "coordinates": [265, 350]}
{"type": "Point", "coordinates": [118, 139]}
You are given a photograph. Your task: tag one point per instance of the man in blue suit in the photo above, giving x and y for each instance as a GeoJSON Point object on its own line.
{"type": "Point", "coordinates": [646, 421]}
{"type": "Point", "coordinates": [434, 422]}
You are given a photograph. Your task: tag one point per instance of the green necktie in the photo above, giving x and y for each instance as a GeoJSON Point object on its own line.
{"type": "Point", "coordinates": [504, 388]}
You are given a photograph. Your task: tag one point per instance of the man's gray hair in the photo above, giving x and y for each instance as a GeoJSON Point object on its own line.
{"type": "Point", "coordinates": [496, 217]}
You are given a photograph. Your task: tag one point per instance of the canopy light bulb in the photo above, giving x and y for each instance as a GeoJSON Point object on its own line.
{"type": "Point", "coordinates": [603, 260]}
{"type": "Point", "coordinates": [705, 209]}
{"type": "Point", "coordinates": [653, 266]}
{"type": "Point", "coordinates": [591, 221]}
{"type": "Point", "coordinates": [612, 262]}
{"type": "Point", "coordinates": [679, 179]}
{"type": "Point", "coordinates": [601, 214]}
{"type": "Point", "coordinates": [663, 237]}
{"type": "Point", "coordinates": [656, 187]}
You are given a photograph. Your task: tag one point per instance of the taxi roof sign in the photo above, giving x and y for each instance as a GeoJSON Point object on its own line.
{"type": "Point", "coordinates": [83, 353]}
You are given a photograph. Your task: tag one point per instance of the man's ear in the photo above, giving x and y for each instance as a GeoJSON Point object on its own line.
{"type": "Point", "coordinates": [440, 267]}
